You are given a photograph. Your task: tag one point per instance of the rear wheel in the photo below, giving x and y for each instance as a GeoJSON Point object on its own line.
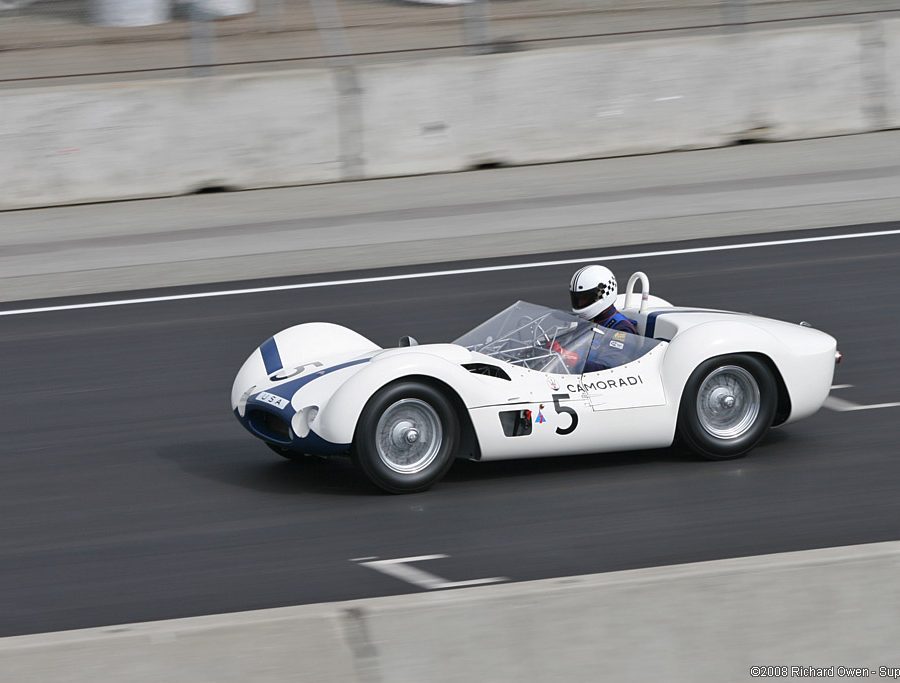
{"type": "Point", "coordinates": [406, 437]}
{"type": "Point", "coordinates": [727, 406]}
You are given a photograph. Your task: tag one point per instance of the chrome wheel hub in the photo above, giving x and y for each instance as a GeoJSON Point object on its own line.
{"type": "Point", "coordinates": [409, 436]}
{"type": "Point", "coordinates": [728, 402]}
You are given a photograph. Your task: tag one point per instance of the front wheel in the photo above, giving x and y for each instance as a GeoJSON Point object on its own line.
{"type": "Point", "coordinates": [727, 406]}
{"type": "Point", "coordinates": [406, 437]}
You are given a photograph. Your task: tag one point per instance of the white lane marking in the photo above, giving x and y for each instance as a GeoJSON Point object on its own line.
{"type": "Point", "coordinates": [843, 406]}
{"type": "Point", "coordinates": [669, 99]}
{"type": "Point", "coordinates": [446, 273]}
{"type": "Point", "coordinates": [400, 568]}
{"type": "Point", "coordinates": [364, 559]}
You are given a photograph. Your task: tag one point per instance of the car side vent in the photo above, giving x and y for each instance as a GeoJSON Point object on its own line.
{"type": "Point", "coordinates": [486, 369]}
{"type": "Point", "coordinates": [516, 422]}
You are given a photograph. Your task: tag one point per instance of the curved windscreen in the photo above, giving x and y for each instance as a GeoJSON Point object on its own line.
{"type": "Point", "coordinates": [531, 336]}
{"type": "Point", "coordinates": [548, 340]}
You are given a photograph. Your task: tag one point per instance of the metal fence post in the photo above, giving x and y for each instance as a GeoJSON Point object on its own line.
{"type": "Point", "coordinates": [734, 14]}
{"type": "Point", "coordinates": [745, 69]}
{"type": "Point", "coordinates": [476, 32]}
{"type": "Point", "coordinates": [350, 120]}
{"type": "Point", "coordinates": [271, 12]}
{"type": "Point", "coordinates": [331, 29]}
{"type": "Point", "coordinates": [203, 36]}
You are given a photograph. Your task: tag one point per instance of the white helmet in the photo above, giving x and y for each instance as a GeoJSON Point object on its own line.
{"type": "Point", "coordinates": [593, 290]}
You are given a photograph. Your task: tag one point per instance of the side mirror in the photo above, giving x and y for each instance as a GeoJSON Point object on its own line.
{"type": "Point", "coordinates": [408, 341]}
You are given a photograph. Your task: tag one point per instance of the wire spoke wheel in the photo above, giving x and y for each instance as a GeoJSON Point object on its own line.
{"type": "Point", "coordinates": [728, 402]}
{"type": "Point", "coordinates": [409, 436]}
{"type": "Point", "coordinates": [406, 437]}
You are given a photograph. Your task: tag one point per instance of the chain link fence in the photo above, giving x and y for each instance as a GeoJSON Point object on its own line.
{"type": "Point", "coordinates": [43, 39]}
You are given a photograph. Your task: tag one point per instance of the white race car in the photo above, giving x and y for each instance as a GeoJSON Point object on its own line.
{"type": "Point", "coordinates": [533, 381]}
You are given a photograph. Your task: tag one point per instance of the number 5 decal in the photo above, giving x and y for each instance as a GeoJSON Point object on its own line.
{"type": "Point", "coordinates": [565, 410]}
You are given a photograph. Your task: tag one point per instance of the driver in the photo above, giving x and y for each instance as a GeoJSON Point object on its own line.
{"type": "Point", "coordinates": [593, 291]}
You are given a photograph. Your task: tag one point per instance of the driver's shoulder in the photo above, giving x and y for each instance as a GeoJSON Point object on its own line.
{"type": "Point", "coordinates": [622, 323]}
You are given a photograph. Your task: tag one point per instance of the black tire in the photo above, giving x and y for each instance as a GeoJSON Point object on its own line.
{"type": "Point", "coordinates": [698, 437]}
{"type": "Point", "coordinates": [374, 463]}
{"type": "Point", "coordinates": [285, 453]}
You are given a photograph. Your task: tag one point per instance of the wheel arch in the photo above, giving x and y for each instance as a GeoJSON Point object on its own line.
{"type": "Point", "coordinates": [468, 445]}
{"type": "Point", "coordinates": [341, 414]}
{"type": "Point", "coordinates": [700, 343]}
{"type": "Point", "coordinates": [800, 359]}
{"type": "Point", "coordinates": [783, 401]}
{"type": "Point", "coordinates": [783, 406]}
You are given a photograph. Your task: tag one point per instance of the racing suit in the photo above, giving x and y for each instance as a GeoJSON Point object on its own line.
{"type": "Point", "coordinates": [611, 319]}
{"type": "Point", "coordinates": [614, 320]}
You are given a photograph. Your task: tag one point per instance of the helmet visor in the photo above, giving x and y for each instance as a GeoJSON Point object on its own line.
{"type": "Point", "coordinates": [584, 298]}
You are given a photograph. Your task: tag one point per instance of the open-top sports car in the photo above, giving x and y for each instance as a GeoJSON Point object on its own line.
{"type": "Point", "coordinates": [533, 381]}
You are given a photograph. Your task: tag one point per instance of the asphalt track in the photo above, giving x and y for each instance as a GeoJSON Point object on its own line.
{"type": "Point", "coordinates": [129, 493]}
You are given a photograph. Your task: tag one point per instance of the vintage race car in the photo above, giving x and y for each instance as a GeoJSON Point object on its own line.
{"type": "Point", "coordinates": [533, 381]}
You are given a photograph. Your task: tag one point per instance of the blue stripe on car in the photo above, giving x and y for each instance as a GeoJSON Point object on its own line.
{"type": "Point", "coordinates": [271, 357]}
{"type": "Point", "coordinates": [651, 323]}
{"type": "Point", "coordinates": [288, 389]}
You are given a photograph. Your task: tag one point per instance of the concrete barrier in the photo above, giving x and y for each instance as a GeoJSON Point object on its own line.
{"type": "Point", "coordinates": [614, 99]}
{"type": "Point", "coordinates": [808, 82]}
{"type": "Point", "coordinates": [155, 138]}
{"type": "Point", "coordinates": [268, 646]}
{"type": "Point", "coordinates": [710, 621]}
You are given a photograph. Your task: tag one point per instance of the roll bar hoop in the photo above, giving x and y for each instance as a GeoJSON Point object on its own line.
{"type": "Point", "coordinates": [645, 290]}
